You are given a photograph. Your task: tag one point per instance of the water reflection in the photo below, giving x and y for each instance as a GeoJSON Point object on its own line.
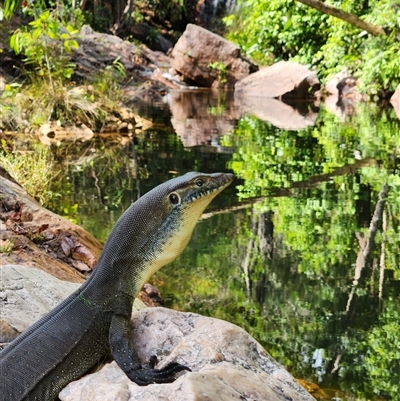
{"type": "Point", "coordinates": [201, 117]}
{"type": "Point", "coordinates": [285, 115]}
{"type": "Point", "coordinates": [306, 261]}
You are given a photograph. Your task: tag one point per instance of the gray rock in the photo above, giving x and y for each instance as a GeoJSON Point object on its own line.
{"type": "Point", "coordinates": [98, 51]}
{"type": "Point", "coordinates": [224, 359]}
{"type": "Point", "coordinates": [26, 294]}
{"type": "Point", "coordinates": [226, 363]}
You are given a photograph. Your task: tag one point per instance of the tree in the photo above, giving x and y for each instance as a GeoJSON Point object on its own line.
{"type": "Point", "coordinates": [274, 30]}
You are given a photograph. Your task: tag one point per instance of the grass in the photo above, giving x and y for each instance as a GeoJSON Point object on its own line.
{"type": "Point", "coordinates": [29, 106]}
{"type": "Point", "coordinates": [6, 246]}
{"type": "Point", "coordinates": [31, 168]}
{"type": "Point", "coordinates": [25, 107]}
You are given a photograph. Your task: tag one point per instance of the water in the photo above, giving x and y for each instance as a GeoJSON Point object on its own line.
{"type": "Point", "coordinates": [288, 251]}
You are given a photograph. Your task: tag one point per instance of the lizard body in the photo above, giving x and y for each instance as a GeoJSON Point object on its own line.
{"type": "Point", "coordinates": [95, 319]}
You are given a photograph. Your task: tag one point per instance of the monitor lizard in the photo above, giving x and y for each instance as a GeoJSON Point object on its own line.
{"type": "Point", "coordinates": [95, 319]}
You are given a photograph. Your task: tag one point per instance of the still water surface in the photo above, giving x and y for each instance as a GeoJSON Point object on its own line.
{"type": "Point", "coordinates": [298, 251]}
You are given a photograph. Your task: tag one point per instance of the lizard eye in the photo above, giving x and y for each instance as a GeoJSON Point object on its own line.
{"type": "Point", "coordinates": [174, 198]}
{"type": "Point", "coordinates": [199, 182]}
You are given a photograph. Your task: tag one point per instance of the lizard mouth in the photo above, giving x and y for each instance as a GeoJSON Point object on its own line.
{"type": "Point", "coordinates": [222, 181]}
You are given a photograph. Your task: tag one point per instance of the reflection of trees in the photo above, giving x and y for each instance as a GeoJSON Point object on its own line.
{"type": "Point", "coordinates": [283, 269]}
{"type": "Point", "coordinates": [328, 298]}
{"type": "Point", "coordinates": [102, 175]}
{"type": "Point", "coordinates": [260, 245]}
{"type": "Point", "coordinates": [322, 197]}
{"type": "Point", "coordinates": [366, 244]}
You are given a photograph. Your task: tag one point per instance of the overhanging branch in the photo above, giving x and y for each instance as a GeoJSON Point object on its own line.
{"type": "Point", "coordinates": [345, 16]}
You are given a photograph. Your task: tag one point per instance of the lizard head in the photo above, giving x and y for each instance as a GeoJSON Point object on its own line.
{"type": "Point", "coordinates": [155, 229]}
{"type": "Point", "coordinates": [181, 203]}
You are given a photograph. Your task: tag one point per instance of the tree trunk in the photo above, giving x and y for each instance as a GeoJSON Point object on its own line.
{"type": "Point", "coordinates": [345, 16]}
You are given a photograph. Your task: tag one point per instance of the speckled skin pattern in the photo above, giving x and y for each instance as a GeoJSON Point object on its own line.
{"type": "Point", "coordinates": [94, 321]}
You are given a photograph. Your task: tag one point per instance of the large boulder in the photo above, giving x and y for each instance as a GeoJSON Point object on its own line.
{"type": "Point", "coordinates": [209, 60]}
{"type": "Point", "coordinates": [226, 364]}
{"type": "Point", "coordinates": [225, 361]}
{"type": "Point", "coordinates": [27, 294]}
{"type": "Point", "coordinates": [99, 50]}
{"type": "Point", "coordinates": [283, 80]}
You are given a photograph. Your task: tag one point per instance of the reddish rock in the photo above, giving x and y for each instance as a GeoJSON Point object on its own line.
{"type": "Point", "coordinates": [40, 238]}
{"type": "Point", "coordinates": [283, 80]}
{"type": "Point", "coordinates": [197, 49]}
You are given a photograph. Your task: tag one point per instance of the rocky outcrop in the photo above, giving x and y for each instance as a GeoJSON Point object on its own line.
{"type": "Point", "coordinates": [223, 358]}
{"type": "Point", "coordinates": [208, 60]}
{"type": "Point", "coordinates": [285, 94]}
{"type": "Point", "coordinates": [39, 238]}
{"type": "Point", "coordinates": [283, 80]}
{"type": "Point", "coordinates": [32, 236]}
{"type": "Point", "coordinates": [227, 364]}
{"type": "Point", "coordinates": [99, 50]}
{"type": "Point", "coordinates": [27, 294]}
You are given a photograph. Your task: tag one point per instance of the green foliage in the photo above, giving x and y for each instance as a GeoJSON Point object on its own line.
{"type": "Point", "coordinates": [221, 70]}
{"type": "Point", "coordinates": [6, 246]}
{"type": "Point", "coordinates": [286, 29]}
{"type": "Point", "coordinates": [41, 102]}
{"type": "Point", "coordinates": [64, 9]}
{"type": "Point", "coordinates": [106, 85]}
{"type": "Point", "coordinates": [31, 168]}
{"type": "Point", "coordinates": [118, 68]}
{"type": "Point", "coordinates": [383, 352]}
{"type": "Point", "coordinates": [166, 9]}
{"type": "Point", "coordinates": [10, 6]}
{"type": "Point", "coordinates": [47, 45]}
{"type": "Point", "coordinates": [26, 107]}
{"type": "Point", "coordinates": [271, 158]}
{"type": "Point", "coordinates": [276, 29]}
